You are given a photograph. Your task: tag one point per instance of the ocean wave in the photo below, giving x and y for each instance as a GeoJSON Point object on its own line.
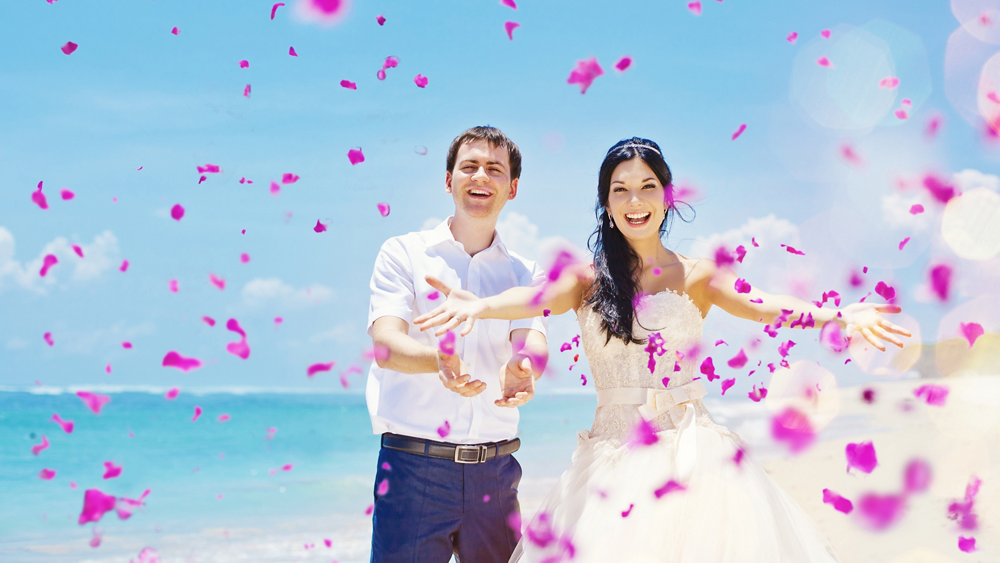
{"type": "Point", "coordinates": [161, 389]}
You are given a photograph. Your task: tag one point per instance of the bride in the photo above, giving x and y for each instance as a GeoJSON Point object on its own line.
{"type": "Point", "coordinates": [656, 479]}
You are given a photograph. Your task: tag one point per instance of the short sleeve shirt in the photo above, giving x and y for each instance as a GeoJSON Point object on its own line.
{"type": "Point", "coordinates": [419, 405]}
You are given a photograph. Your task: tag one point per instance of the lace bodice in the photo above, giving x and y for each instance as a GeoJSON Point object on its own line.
{"type": "Point", "coordinates": [679, 323]}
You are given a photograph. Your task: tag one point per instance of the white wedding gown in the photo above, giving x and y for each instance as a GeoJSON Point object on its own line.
{"type": "Point", "coordinates": [614, 503]}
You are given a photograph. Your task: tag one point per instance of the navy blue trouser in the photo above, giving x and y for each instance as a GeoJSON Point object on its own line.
{"type": "Point", "coordinates": [434, 507]}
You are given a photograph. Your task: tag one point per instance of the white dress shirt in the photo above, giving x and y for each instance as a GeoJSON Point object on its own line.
{"type": "Point", "coordinates": [418, 404]}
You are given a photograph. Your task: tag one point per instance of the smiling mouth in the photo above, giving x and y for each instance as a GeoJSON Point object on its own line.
{"type": "Point", "coordinates": [479, 194]}
{"type": "Point", "coordinates": [637, 219]}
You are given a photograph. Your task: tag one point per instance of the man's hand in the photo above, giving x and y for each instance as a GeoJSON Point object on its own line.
{"type": "Point", "coordinates": [459, 306]}
{"type": "Point", "coordinates": [517, 381]}
{"type": "Point", "coordinates": [454, 375]}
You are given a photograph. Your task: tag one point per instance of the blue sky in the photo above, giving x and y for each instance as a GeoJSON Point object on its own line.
{"type": "Point", "coordinates": [135, 95]}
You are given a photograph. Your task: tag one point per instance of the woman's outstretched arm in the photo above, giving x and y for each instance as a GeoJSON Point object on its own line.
{"type": "Point", "coordinates": [556, 297]}
{"type": "Point", "coordinates": [723, 286]}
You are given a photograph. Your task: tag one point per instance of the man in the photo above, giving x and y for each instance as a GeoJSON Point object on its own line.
{"type": "Point", "coordinates": [446, 482]}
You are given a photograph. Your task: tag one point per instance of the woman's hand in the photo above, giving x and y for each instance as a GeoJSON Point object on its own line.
{"type": "Point", "coordinates": [865, 318]}
{"type": "Point", "coordinates": [459, 306]}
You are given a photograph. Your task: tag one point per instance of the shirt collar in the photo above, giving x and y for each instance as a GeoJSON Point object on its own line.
{"type": "Point", "coordinates": [442, 233]}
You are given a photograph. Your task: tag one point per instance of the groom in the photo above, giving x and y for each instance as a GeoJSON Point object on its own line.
{"type": "Point", "coordinates": [446, 480]}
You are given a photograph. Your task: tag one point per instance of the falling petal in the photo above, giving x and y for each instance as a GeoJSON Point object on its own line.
{"type": "Point", "coordinates": [444, 429]}
{"type": "Point", "coordinates": [968, 545]}
{"type": "Point", "coordinates": [124, 266]}
{"type": "Point", "coordinates": [291, 51]}
{"type": "Point", "coordinates": [970, 331]}
{"type": "Point", "coordinates": [244, 257]}
{"type": "Point", "coordinates": [69, 47]}
{"type": "Point", "coordinates": [383, 209]}
{"type": "Point", "coordinates": [887, 292]}
{"type": "Point", "coordinates": [320, 227]}
{"type": "Point", "coordinates": [793, 427]}
{"type": "Point", "coordinates": [756, 395]}
{"type": "Point", "coordinates": [383, 487]}
{"type": "Point", "coordinates": [217, 281]}
{"type": "Point", "coordinates": [38, 198]}
{"type": "Point", "coordinates": [94, 402]}
{"type": "Point", "coordinates": [509, 3]}
{"type": "Point", "coordinates": [903, 242]}
{"type": "Point", "coordinates": [623, 64]}
{"type": "Point", "coordinates": [246, 91]}
{"type": "Point", "coordinates": [224, 417]}
{"type": "Point", "coordinates": [46, 474]}
{"type": "Point", "coordinates": [173, 286]}
{"type": "Point", "coordinates": [825, 33]}
{"type": "Point", "coordinates": [420, 80]}
{"type": "Point", "coordinates": [708, 369]}
{"type": "Point", "coordinates": [316, 368]}
{"type": "Point", "coordinates": [695, 7]}
{"type": "Point", "coordinates": [916, 209]}
{"type": "Point", "coordinates": [380, 74]}
{"type": "Point", "coordinates": [77, 250]}
{"type": "Point", "coordinates": [177, 212]}
{"type": "Point", "coordinates": [839, 503]}
{"type": "Point", "coordinates": [739, 131]}
{"type": "Point", "coordinates": [39, 447]}
{"type": "Point", "coordinates": [642, 434]}
{"type": "Point", "coordinates": [941, 280]}
{"type": "Point", "coordinates": [831, 337]}
{"type": "Point", "coordinates": [738, 361]}
{"type": "Point", "coordinates": [175, 31]}
{"type": "Point", "coordinates": [275, 7]}
{"type": "Point", "coordinates": [244, 64]}
{"type": "Point", "coordinates": [935, 395]}
{"type": "Point", "coordinates": [792, 37]}
{"type": "Point", "coordinates": [48, 338]}
{"type": "Point", "coordinates": [111, 470]}
{"type": "Point", "coordinates": [355, 156]}
{"type": "Point", "coordinates": [289, 178]}
{"type": "Point", "coordinates": [585, 73]}
{"type": "Point", "coordinates": [447, 344]}
{"type": "Point", "coordinates": [879, 512]}
{"type": "Point", "coordinates": [509, 27]}
{"type": "Point", "coordinates": [174, 360]}
{"type": "Point", "coordinates": [209, 169]}
{"type": "Point", "coordinates": [381, 21]}
{"type": "Point", "coordinates": [348, 84]}
{"type": "Point", "coordinates": [172, 394]}
{"type": "Point", "coordinates": [824, 62]}
{"type": "Point", "coordinates": [861, 456]}
{"type": "Point", "coordinates": [889, 83]}
{"type": "Point", "coordinates": [95, 504]}
{"type": "Point", "coordinates": [901, 114]}
{"type": "Point", "coordinates": [727, 383]}
{"type": "Point", "coordinates": [197, 413]}
{"type": "Point", "coordinates": [917, 476]}
{"type": "Point", "coordinates": [66, 194]}
{"type": "Point", "coordinates": [66, 425]}
{"type": "Point", "coordinates": [669, 487]}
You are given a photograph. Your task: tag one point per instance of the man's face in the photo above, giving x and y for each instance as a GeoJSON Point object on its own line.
{"type": "Point", "coordinates": [480, 184]}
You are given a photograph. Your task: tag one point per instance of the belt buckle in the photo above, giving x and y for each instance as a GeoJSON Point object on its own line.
{"type": "Point", "coordinates": [470, 454]}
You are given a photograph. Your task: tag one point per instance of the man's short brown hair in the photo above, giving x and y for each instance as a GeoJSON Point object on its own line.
{"type": "Point", "coordinates": [495, 138]}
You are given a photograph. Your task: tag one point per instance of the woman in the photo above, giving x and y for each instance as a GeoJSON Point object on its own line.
{"type": "Point", "coordinates": [656, 479]}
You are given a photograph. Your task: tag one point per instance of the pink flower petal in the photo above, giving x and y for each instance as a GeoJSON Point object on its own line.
{"type": "Point", "coordinates": [739, 131]}
{"type": "Point", "coordinates": [917, 476]}
{"type": "Point", "coordinates": [95, 504]}
{"type": "Point", "coordinates": [177, 212]}
{"type": "Point", "coordinates": [727, 383]}
{"type": "Point", "coordinates": [69, 47]}
{"type": "Point", "coordinates": [381, 21]}
{"type": "Point", "coordinates": [124, 266]}
{"type": "Point", "coordinates": [240, 349]}
{"type": "Point", "coordinates": [906, 103]}
{"type": "Point", "coordinates": [889, 83]}
{"type": "Point", "coordinates": [792, 250]}
{"type": "Point", "coordinates": [695, 7]}
{"type": "Point", "coordinates": [832, 338]}
{"type": "Point", "coordinates": [879, 512]}
{"type": "Point", "coordinates": [369, 510]}
{"type": "Point", "coordinates": [197, 413]}
{"type": "Point", "coordinates": [126, 506]}
{"type": "Point", "coordinates": [383, 487]}
{"type": "Point", "coordinates": [839, 503]}
{"type": "Point", "coordinates": [420, 80]}
{"type": "Point", "coordinates": [940, 280]}
{"type": "Point", "coordinates": [916, 209]}
{"type": "Point", "coordinates": [94, 402]}
{"type": "Point", "coordinates": [46, 474]}
{"type": "Point", "coordinates": [935, 395]}
{"type": "Point", "coordinates": [217, 281]}
{"type": "Point", "coordinates": [968, 545]}
{"type": "Point", "coordinates": [756, 395]}
{"type": "Point", "coordinates": [174, 360]}
{"type": "Point", "coordinates": [903, 242]}
{"type": "Point", "coordinates": [47, 262]}
{"type": "Point", "coordinates": [623, 63]}
{"type": "Point", "coordinates": [940, 190]}
{"type": "Point", "coordinates": [993, 97]}
{"type": "Point", "coordinates": [320, 227]}
{"type": "Point", "coordinates": [444, 429]}
{"type": "Point", "coordinates": [708, 369]}
{"type": "Point", "coordinates": [642, 434]}
{"type": "Point", "coordinates": [585, 73]}
{"type": "Point", "coordinates": [861, 456]}
{"type": "Point", "coordinates": [172, 394]}
{"type": "Point", "coordinates": [742, 286]}
{"type": "Point", "coordinates": [107, 368]}
{"type": "Point", "coordinates": [355, 156]}
{"type": "Point", "coordinates": [738, 361]}
{"type": "Point", "coordinates": [901, 114]}
{"type": "Point", "coordinates": [793, 428]}
{"type": "Point", "coordinates": [289, 178]}
{"type": "Point", "coordinates": [390, 62]}
{"type": "Point", "coordinates": [275, 188]}
{"type": "Point", "coordinates": [887, 292]}
{"type": "Point", "coordinates": [509, 27]}
{"type": "Point", "coordinates": [175, 31]}
{"type": "Point", "coordinates": [244, 258]}
{"type": "Point", "coordinates": [668, 487]}
{"type": "Point", "coordinates": [824, 62]}
{"type": "Point", "coordinates": [246, 91]}
{"type": "Point", "coordinates": [380, 74]}
{"type": "Point", "coordinates": [825, 33]}
{"type": "Point", "coordinates": [48, 338]}
{"type": "Point", "coordinates": [173, 286]}
{"type": "Point", "coordinates": [447, 344]}
{"type": "Point", "coordinates": [111, 470]}
{"type": "Point", "coordinates": [209, 169]}
{"type": "Point", "coordinates": [970, 331]}
{"type": "Point", "coordinates": [275, 7]}
{"type": "Point", "coordinates": [348, 84]}
{"type": "Point", "coordinates": [66, 194]}
{"type": "Point", "coordinates": [792, 37]}
{"type": "Point", "coordinates": [244, 64]}
{"type": "Point", "coordinates": [77, 250]}
{"type": "Point", "coordinates": [509, 3]}
{"type": "Point", "coordinates": [224, 417]}
{"type": "Point", "coordinates": [39, 447]}
{"type": "Point", "coordinates": [383, 209]}
{"type": "Point", "coordinates": [291, 51]}
{"type": "Point", "coordinates": [66, 425]}
{"type": "Point", "coordinates": [316, 368]}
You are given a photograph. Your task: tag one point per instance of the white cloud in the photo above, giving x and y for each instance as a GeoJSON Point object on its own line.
{"type": "Point", "coordinates": [520, 236]}
{"type": "Point", "coordinates": [85, 341]}
{"type": "Point", "coordinates": [262, 291]}
{"type": "Point", "coordinates": [98, 256]}
{"type": "Point", "coordinates": [346, 332]}
{"type": "Point", "coordinates": [16, 343]}
{"type": "Point", "coordinates": [896, 211]}
{"type": "Point", "coordinates": [968, 179]}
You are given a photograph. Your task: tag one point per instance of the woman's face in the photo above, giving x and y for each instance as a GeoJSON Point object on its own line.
{"type": "Point", "coordinates": [635, 200]}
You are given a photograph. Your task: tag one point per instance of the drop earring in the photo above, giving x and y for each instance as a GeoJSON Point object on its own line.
{"type": "Point", "coordinates": [611, 221]}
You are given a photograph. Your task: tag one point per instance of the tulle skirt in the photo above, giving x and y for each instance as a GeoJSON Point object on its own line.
{"type": "Point", "coordinates": [622, 504]}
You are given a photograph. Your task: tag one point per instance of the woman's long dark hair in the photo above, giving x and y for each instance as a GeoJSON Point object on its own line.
{"type": "Point", "coordinates": [616, 264]}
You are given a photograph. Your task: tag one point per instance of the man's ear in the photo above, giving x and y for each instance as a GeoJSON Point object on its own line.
{"type": "Point", "coordinates": [513, 189]}
{"type": "Point", "coordinates": [447, 182]}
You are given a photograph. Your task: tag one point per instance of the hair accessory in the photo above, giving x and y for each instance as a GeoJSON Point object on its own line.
{"type": "Point", "coordinates": [643, 147]}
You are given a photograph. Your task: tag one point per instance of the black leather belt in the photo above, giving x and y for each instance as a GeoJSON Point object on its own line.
{"type": "Point", "coordinates": [459, 453]}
